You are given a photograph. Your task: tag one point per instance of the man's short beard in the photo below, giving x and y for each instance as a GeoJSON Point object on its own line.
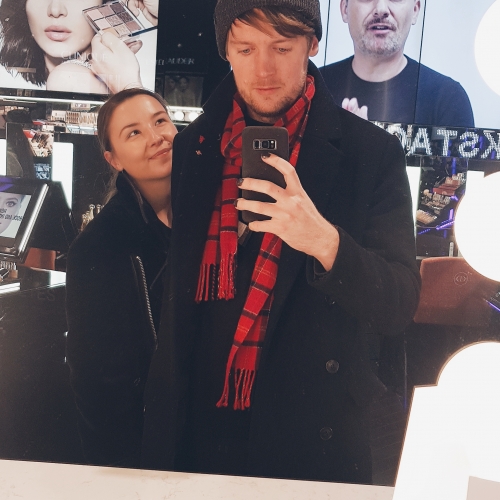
{"type": "Point", "coordinates": [281, 107]}
{"type": "Point", "coordinates": [271, 116]}
{"type": "Point", "coordinates": [390, 46]}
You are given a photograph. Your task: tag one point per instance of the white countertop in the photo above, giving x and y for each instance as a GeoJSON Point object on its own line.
{"type": "Point", "coordinates": [44, 481]}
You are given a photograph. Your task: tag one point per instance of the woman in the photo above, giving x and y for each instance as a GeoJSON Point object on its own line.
{"type": "Point", "coordinates": [50, 42]}
{"type": "Point", "coordinates": [114, 279]}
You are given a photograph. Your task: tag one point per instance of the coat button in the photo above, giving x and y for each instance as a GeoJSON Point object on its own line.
{"type": "Point", "coordinates": [326, 433]}
{"type": "Point", "coordinates": [329, 300]}
{"type": "Point", "coordinates": [332, 366]}
{"type": "Point", "coordinates": [137, 381]}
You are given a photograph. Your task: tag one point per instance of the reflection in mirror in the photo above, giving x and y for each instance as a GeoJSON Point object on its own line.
{"type": "Point", "coordinates": [40, 424]}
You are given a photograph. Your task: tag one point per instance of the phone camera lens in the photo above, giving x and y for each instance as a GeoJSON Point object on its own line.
{"type": "Point", "coordinates": [265, 144]}
{"type": "Point", "coordinates": [256, 144]}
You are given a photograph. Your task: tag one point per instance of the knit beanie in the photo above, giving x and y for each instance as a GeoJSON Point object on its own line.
{"type": "Point", "coordinates": [227, 11]}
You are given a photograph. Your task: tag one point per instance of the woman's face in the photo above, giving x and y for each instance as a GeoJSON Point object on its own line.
{"type": "Point", "coordinates": [141, 136]}
{"type": "Point", "coordinates": [10, 204]}
{"type": "Point", "coordinates": [59, 27]}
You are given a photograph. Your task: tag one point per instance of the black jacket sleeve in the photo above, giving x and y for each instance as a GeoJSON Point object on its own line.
{"type": "Point", "coordinates": [377, 280]}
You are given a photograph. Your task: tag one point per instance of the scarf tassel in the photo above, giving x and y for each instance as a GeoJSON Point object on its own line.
{"type": "Point", "coordinates": [243, 384]}
{"type": "Point", "coordinates": [226, 289]}
{"type": "Point", "coordinates": [223, 401]}
{"type": "Point", "coordinates": [206, 282]}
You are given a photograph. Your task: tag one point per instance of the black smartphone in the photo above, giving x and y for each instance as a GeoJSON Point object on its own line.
{"type": "Point", "coordinates": [256, 141]}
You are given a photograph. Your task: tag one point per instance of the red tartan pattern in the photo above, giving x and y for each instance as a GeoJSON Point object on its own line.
{"type": "Point", "coordinates": [218, 267]}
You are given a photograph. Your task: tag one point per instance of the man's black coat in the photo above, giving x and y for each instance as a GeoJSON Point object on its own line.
{"type": "Point", "coordinates": [314, 379]}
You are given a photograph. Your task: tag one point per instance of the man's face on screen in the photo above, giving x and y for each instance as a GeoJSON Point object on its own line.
{"type": "Point", "coordinates": [379, 27]}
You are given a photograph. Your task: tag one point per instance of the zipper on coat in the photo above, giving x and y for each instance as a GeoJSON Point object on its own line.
{"type": "Point", "coordinates": [144, 285]}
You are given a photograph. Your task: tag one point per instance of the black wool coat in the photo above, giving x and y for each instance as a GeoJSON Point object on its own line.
{"type": "Point", "coordinates": [114, 275]}
{"type": "Point", "coordinates": [314, 380]}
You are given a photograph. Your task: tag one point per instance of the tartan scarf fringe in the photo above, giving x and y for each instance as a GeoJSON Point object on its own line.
{"type": "Point", "coordinates": [243, 385]}
{"type": "Point", "coordinates": [206, 282]}
{"type": "Point", "coordinates": [217, 281]}
{"type": "Point", "coordinates": [227, 270]}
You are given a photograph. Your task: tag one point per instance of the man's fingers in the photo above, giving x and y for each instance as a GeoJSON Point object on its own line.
{"type": "Point", "coordinates": [289, 173]}
{"type": "Point", "coordinates": [261, 226]}
{"type": "Point", "coordinates": [257, 207]}
{"type": "Point", "coordinates": [261, 186]}
{"type": "Point", "coordinates": [350, 104]}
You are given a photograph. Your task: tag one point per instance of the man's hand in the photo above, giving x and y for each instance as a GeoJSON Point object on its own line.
{"type": "Point", "coordinates": [114, 62]}
{"type": "Point", "coordinates": [148, 7]}
{"type": "Point", "coordinates": [294, 218]}
{"type": "Point", "coordinates": [352, 105]}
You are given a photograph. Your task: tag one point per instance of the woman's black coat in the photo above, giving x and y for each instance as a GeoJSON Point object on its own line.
{"type": "Point", "coordinates": [115, 267]}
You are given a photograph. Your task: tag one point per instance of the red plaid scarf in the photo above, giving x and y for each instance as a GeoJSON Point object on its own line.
{"type": "Point", "coordinates": [218, 265]}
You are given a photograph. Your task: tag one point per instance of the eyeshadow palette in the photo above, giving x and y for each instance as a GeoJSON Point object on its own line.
{"type": "Point", "coordinates": [116, 18]}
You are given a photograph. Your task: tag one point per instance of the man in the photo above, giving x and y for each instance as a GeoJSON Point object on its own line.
{"type": "Point", "coordinates": [262, 368]}
{"type": "Point", "coordinates": [380, 83]}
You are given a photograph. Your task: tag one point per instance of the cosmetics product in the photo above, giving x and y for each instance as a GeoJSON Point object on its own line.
{"type": "Point", "coordinates": [116, 18]}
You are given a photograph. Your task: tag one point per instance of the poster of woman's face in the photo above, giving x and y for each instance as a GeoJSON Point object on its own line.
{"type": "Point", "coordinates": [12, 209]}
{"type": "Point", "coordinates": [84, 46]}
{"type": "Point", "coordinates": [449, 73]}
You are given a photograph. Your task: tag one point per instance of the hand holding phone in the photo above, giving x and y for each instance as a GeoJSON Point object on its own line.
{"type": "Point", "coordinates": [256, 142]}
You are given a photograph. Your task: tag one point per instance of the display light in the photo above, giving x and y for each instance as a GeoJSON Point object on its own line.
{"type": "Point", "coordinates": [453, 431]}
{"type": "Point", "coordinates": [179, 116]}
{"type": "Point", "coordinates": [486, 47]}
{"type": "Point", "coordinates": [477, 226]}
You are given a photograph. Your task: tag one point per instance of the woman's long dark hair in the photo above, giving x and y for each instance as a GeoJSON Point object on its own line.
{"type": "Point", "coordinates": [19, 49]}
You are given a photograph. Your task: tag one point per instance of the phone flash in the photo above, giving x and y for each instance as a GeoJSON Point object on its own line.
{"type": "Point", "coordinates": [264, 144]}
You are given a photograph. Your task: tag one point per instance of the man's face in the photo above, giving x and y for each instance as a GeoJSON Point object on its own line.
{"type": "Point", "coordinates": [379, 27]}
{"type": "Point", "coordinates": [270, 70]}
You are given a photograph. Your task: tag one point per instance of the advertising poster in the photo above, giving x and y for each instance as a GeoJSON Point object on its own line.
{"type": "Point", "coordinates": [12, 209]}
{"type": "Point", "coordinates": [79, 46]}
{"type": "Point", "coordinates": [450, 76]}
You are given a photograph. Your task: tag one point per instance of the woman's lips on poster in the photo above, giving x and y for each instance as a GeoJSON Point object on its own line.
{"type": "Point", "coordinates": [57, 33]}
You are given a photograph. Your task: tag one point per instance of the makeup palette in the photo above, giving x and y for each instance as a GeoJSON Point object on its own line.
{"type": "Point", "coordinates": [116, 18]}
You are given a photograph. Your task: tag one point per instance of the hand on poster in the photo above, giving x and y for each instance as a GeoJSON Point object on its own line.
{"type": "Point", "coordinates": [149, 8]}
{"type": "Point", "coordinates": [352, 105]}
{"type": "Point", "coordinates": [114, 62]}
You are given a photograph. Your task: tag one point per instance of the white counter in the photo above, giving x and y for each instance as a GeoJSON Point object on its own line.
{"type": "Point", "coordinates": [44, 481]}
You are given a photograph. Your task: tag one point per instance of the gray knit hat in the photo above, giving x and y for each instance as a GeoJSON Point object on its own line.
{"type": "Point", "coordinates": [227, 11]}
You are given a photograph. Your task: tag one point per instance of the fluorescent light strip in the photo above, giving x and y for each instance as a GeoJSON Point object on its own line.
{"type": "Point", "coordinates": [62, 168]}
{"type": "Point", "coordinates": [14, 99]}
